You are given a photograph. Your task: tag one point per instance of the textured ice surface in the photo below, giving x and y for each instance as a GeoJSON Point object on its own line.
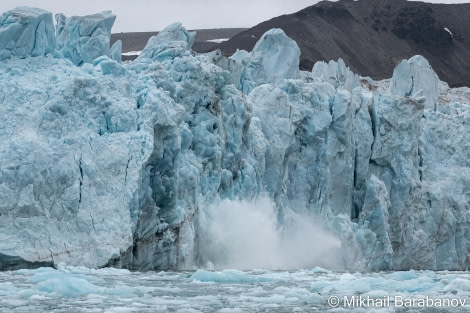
{"type": "Point", "coordinates": [274, 58]}
{"type": "Point", "coordinates": [123, 164]}
{"type": "Point", "coordinates": [68, 180]}
{"type": "Point", "coordinates": [171, 42]}
{"type": "Point", "coordinates": [116, 51]}
{"type": "Point", "coordinates": [240, 55]}
{"type": "Point", "coordinates": [336, 74]}
{"type": "Point", "coordinates": [73, 289]}
{"type": "Point", "coordinates": [415, 77]}
{"type": "Point", "coordinates": [26, 32]}
{"type": "Point", "coordinates": [82, 39]}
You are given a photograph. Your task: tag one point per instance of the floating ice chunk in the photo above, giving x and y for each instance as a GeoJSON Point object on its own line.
{"type": "Point", "coordinates": [357, 283]}
{"type": "Point", "coordinates": [297, 293]}
{"type": "Point", "coordinates": [319, 270]}
{"type": "Point", "coordinates": [82, 39]}
{"type": "Point", "coordinates": [228, 276]}
{"type": "Point", "coordinates": [42, 276]}
{"type": "Point", "coordinates": [458, 284]}
{"type": "Point", "coordinates": [69, 281]}
{"type": "Point", "coordinates": [63, 284]}
{"type": "Point", "coordinates": [67, 286]}
{"type": "Point", "coordinates": [173, 41]}
{"type": "Point", "coordinates": [26, 32]}
{"type": "Point", "coordinates": [413, 75]}
{"type": "Point", "coordinates": [7, 289]}
{"type": "Point", "coordinates": [108, 271]}
{"type": "Point", "coordinates": [408, 275]}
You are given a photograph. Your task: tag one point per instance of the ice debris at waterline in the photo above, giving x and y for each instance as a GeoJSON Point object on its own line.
{"type": "Point", "coordinates": [128, 165]}
{"type": "Point", "coordinates": [118, 290]}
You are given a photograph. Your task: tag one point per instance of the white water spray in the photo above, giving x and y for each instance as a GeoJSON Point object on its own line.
{"type": "Point", "coordinates": [246, 235]}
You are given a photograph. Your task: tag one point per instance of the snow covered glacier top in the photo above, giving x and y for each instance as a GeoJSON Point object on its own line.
{"type": "Point", "coordinates": [150, 164]}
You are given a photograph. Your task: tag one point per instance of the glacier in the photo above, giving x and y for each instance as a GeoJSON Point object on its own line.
{"type": "Point", "coordinates": [84, 38]}
{"type": "Point", "coordinates": [122, 164]}
{"type": "Point", "coordinates": [26, 32]}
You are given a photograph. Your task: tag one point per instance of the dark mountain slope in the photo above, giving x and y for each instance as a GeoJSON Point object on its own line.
{"type": "Point", "coordinates": [373, 35]}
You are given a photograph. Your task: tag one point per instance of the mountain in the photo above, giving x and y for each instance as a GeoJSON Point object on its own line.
{"type": "Point", "coordinates": [179, 160]}
{"type": "Point", "coordinates": [372, 36]}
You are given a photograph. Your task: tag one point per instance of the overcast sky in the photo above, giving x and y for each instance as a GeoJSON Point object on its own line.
{"type": "Point", "coordinates": [151, 15]}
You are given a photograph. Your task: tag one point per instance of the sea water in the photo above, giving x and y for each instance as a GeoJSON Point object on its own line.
{"type": "Point", "coordinates": [79, 289]}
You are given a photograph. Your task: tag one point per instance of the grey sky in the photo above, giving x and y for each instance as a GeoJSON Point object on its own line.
{"type": "Point", "coordinates": [151, 15]}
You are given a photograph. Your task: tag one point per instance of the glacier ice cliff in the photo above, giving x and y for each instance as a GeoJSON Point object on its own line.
{"type": "Point", "coordinates": [26, 32]}
{"type": "Point", "coordinates": [104, 163]}
{"type": "Point", "coordinates": [173, 41]}
{"type": "Point", "coordinates": [84, 38]}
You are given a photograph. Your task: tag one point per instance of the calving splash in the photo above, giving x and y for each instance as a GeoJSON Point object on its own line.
{"type": "Point", "coordinates": [247, 235]}
{"type": "Point", "coordinates": [179, 160]}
